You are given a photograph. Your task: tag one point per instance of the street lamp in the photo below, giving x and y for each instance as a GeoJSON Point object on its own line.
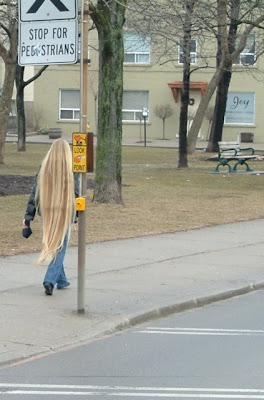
{"type": "Point", "coordinates": [145, 113]}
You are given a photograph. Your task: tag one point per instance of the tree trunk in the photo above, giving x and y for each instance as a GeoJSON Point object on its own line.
{"type": "Point", "coordinates": [163, 128]}
{"type": "Point", "coordinates": [220, 107]}
{"type": "Point", "coordinates": [109, 21]}
{"type": "Point", "coordinates": [222, 91]}
{"type": "Point", "coordinates": [198, 119]}
{"type": "Point", "coordinates": [183, 162]}
{"type": "Point", "coordinates": [224, 63]}
{"type": "Point", "coordinates": [5, 102]}
{"type": "Point", "coordinates": [21, 118]}
{"type": "Point", "coordinates": [9, 56]}
{"type": "Point", "coordinates": [21, 115]}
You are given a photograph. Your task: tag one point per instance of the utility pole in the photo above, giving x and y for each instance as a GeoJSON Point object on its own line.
{"type": "Point", "coordinates": [83, 129]}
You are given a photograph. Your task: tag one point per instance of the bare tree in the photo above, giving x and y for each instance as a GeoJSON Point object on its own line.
{"type": "Point", "coordinates": [163, 111]}
{"type": "Point", "coordinates": [251, 17]}
{"type": "Point", "coordinates": [214, 23]}
{"type": "Point", "coordinates": [186, 46]}
{"type": "Point", "coordinates": [13, 73]}
{"type": "Point", "coordinates": [236, 19]}
{"type": "Point", "coordinates": [172, 26]}
{"type": "Point", "coordinates": [223, 85]}
{"type": "Point", "coordinates": [21, 117]}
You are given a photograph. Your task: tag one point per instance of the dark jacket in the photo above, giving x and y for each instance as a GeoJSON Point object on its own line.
{"type": "Point", "coordinates": [32, 206]}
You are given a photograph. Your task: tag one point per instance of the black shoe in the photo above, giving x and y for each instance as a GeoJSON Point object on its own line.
{"type": "Point", "coordinates": [48, 288]}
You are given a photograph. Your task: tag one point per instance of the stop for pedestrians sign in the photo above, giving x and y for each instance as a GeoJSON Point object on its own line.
{"type": "Point", "coordinates": [49, 42]}
{"type": "Point", "coordinates": [48, 32]}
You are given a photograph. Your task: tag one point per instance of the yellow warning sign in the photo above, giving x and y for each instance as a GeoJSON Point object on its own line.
{"type": "Point", "coordinates": [79, 152]}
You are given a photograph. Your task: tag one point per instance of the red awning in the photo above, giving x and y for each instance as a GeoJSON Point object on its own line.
{"type": "Point", "coordinates": [176, 86]}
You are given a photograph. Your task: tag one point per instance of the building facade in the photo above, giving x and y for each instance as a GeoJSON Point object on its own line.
{"type": "Point", "coordinates": [55, 96]}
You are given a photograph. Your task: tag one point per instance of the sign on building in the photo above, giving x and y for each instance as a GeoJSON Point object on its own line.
{"type": "Point", "coordinates": [240, 108]}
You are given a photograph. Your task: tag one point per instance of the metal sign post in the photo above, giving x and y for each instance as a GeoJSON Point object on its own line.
{"type": "Point", "coordinates": [83, 129]}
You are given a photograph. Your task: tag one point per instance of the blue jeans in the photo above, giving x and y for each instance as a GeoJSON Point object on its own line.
{"type": "Point", "coordinates": [55, 272]}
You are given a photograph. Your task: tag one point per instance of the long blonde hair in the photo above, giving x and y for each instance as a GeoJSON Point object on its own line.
{"type": "Point", "coordinates": [55, 196]}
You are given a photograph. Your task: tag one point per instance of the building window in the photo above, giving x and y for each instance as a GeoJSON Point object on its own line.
{"type": "Point", "coordinates": [70, 104]}
{"type": "Point", "coordinates": [240, 108]}
{"type": "Point", "coordinates": [133, 103]}
{"type": "Point", "coordinates": [193, 53]}
{"type": "Point", "coordinates": [248, 55]}
{"type": "Point", "coordinates": [137, 49]}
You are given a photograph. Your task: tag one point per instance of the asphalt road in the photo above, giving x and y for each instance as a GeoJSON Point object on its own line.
{"type": "Point", "coordinates": [214, 352]}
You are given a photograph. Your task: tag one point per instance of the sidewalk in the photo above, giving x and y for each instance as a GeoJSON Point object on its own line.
{"type": "Point", "coordinates": [170, 143]}
{"type": "Point", "coordinates": [127, 282]}
{"type": "Point", "coordinates": [33, 138]}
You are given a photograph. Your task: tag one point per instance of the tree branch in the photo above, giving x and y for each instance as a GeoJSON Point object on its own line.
{"type": "Point", "coordinates": [38, 74]}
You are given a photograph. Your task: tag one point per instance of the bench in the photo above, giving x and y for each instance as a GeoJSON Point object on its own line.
{"type": "Point", "coordinates": [232, 151]}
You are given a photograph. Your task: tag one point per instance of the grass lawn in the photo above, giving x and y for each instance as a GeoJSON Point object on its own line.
{"type": "Point", "coordinates": [158, 197]}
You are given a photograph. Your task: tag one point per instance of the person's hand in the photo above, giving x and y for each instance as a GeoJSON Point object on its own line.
{"type": "Point", "coordinates": [25, 224]}
{"type": "Point", "coordinates": [26, 230]}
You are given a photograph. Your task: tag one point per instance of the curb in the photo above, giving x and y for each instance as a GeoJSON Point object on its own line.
{"type": "Point", "coordinates": [157, 313]}
{"type": "Point", "coordinates": [184, 306]}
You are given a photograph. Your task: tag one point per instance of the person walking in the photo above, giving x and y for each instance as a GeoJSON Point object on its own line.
{"type": "Point", "coordinates": [53, 197]}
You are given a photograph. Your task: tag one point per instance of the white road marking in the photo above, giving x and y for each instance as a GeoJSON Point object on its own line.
{"type": "Point", "coordinates": [138, 394]}
{"type": "Point", "coordinates": [129, 391]}
{"type": "Point", "coordinates": [203, 331]}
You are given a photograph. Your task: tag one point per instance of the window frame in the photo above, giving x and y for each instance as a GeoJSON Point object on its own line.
{"type": "Point", "coordinates": [73, 109]}
{"type": "Point", "coordinates": [136, 56]}
{"type": "Point", "coordinates": [137, 53]}
{"type": "Point", "coordinates": [136, 111]}
{"type": "Point", "coordinates": [245, 53]}
{"type": "Point", "coordinates": [192, 53]}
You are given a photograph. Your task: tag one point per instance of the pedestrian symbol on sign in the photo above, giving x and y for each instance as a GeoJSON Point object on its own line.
{"type": "Point", "coordinates": [38, 3]}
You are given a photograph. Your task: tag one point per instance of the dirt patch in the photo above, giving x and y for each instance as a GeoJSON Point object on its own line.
{"type": "Point", "coordinates": [11, 185]}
